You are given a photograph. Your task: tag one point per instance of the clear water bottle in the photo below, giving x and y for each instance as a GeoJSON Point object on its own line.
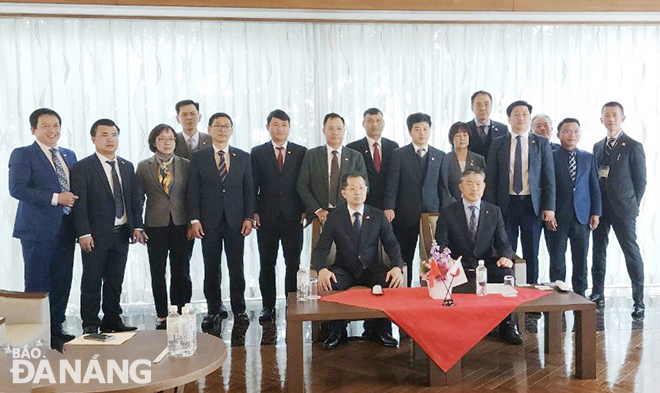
{"type": "Point", "coordinates": [188, 331]}
{"type": "Point", "coordinates": [302, 279]}
{"type": "Point", "coordinates": [173, 333]}
{"type": "Point", "coordinates": [482, 279]}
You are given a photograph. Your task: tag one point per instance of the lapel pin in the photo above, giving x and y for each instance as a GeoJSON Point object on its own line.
{"type": "Point", "coordinates": [486, 211]}
{"type": "Point", "coordinates": [366, 151]}
{"type": "Point", "coordinates": [533, 140]}
{"type": "Point", "coordinates": [367, 217]}
{"type": "Point", "coordinates": [288, 152]}
{"type": "Point", "coordinates": [346, 159]}
{"type": "Point", "coordinates": [233, 154]}
{"type": "Point", "coordinates": [623, 144]}
{"type": "Point", "coordinates": [432, 158]}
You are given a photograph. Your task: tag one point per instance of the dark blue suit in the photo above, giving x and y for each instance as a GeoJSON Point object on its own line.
{"type": "Point", "coordinates": [221, 207]}
{"type": "Point", "coordinates": [46, 233]}
{"type": "Point", "coordinates": [522, 212]}
{"type": "Point", "coordinates": [579, 201]}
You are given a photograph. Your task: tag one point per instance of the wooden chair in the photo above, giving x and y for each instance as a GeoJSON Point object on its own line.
{"type": "Point", "coordinates": [26, 318]}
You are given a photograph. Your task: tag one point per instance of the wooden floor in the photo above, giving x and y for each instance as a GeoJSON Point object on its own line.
{"type": "Point", "coordinates": [628, 355]}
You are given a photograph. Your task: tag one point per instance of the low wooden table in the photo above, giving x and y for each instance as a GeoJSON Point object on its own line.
{"type": "Point", "coordinates": [170, 374]}
{"type": "Point", "coordinates": [552, 305]}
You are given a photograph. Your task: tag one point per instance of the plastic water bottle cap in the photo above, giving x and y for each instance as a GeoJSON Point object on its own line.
{"type": "Point", "coordinates": [173, 308]}
{"type": "Point", "coordinates": [481, 262]}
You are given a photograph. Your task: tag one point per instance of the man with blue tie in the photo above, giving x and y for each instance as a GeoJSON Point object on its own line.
{"type": "Point", "coordinates": [39, 177]}
{"type": "Point", "coordinates": [622, 173]}
{"type": "Point", "coordinates": [521, 181]}
{"type": "Point", "coordinates": [577, 187]}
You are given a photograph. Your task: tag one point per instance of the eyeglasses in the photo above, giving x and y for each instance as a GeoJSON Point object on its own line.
{"type": "Point", "coordinates": [356, 189]}
{"type": "Point", "coordinates": [222, 127]}
{"type": "Point", "coordinates": [108, 136]}
{"type": "Point", "coordinates": [159, 139]}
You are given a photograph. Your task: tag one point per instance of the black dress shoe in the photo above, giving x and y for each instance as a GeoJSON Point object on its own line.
{"type": "Point", "coordinates": [509, 333]}
{"type": "Point", "coordinates": [161, 325]}
{"type": "Point", "coordinates": [267, 315]}
{"type": "Point", "coordinates": [209, 321]}
{"type": "Point", "coordinates": [333, 341]}
{"type": "Point", "coordinates": [241, 318]}
{"type": "Point", "coordinates": [90, 330]}
{"type": "Point", "coordinates": [638, 310]}
{"type": "Point", "coordinates": [116, 328]}
{"type": "Point", "coordinates": [598, 298]}
{"type": "Point", "coordinates": [223, 312]}
{"type": "Point", "coordinates": [63, 336]}
{"type": "Point", "coordinates": [387, 340]}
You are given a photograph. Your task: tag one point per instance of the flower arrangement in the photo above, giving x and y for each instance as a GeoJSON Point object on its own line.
{"type": "Point", "coordinates": [440, 271]}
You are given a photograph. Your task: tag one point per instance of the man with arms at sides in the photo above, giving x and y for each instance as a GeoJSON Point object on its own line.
{"type": "Point", "coordinates": [356, 229]}
{"type": "Point", "coordinates": [377, 154]}
{"type": "Point", "coordinates": [189, 140]}
{"type": "Point", "coordinates": [458, 160]}
{"type": "Point", "coordinates": [39, 177]}
{"type": "Point", "coordinates": [474, 229]}
{"type": "Point", "coordinates": [322, 169]}
{"type": "Point", "coordinates": [414, 185]}
{"type": "Point", "coordinates": [521, 181]}
{"type": "Point", "coordinates": [107, 216]}
{"type": "Point", "coordinates": [622, 173]}
{"type": "Point", "coordinates": [580, 208]}
{"type": "Point", "coordinates": [162, 180]}
{"type": "Point", "coordinates": [220, 209]}
{"type": "Point", "coordinates": [482, 129]}
{"type": "Point", "coordinates": [542, 126]}
{"type": "Point", "coordinates": [279, 211]}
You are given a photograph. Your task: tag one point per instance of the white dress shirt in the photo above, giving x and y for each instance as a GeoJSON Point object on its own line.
{"type": "Point", "coordinates": [371, 142]}
{"type": "Point", "coordinates": [351, 213]}
{"type": "Point", "coordinates": [277, 152]}
{"type": "Point", "coordinates": [524, 144]}
{"type": "Point", "coordinates": [425, 147]}
{"type": "Point", "coordinates": [49, 155]}
{"type": "Point", "coordinates": [108, 174]}
{"type": "Point", "coordinates": [195, 138]}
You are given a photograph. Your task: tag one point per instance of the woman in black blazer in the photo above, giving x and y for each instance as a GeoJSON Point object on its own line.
{"type": "Point", "coordinates": [459, 160]}
{"type": "Point", "coordinates": [162, 179]}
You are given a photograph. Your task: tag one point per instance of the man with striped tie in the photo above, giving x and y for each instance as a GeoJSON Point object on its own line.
{"type": "Point", "coordinates": [580, 210]}
{"type": "Point", "coordinates": [220, 208]}
{"type": "Point", "coordinates": [622, 173]}
{"type": "Point", "coordinates": [39, 179]}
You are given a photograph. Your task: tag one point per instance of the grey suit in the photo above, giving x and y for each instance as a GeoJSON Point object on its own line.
{"type": "Point", "coordinates": [160, 205]}
{"type": "Point", "coordinates": [451, 173]}
{"type": "Point", "coordinates": [182, 150]}
{"type": "Point", "coordinates": [313, 183]}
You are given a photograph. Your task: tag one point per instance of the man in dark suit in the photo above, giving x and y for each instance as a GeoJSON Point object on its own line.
{"type": "Point", "coordinates": [377, 154]}
{"type": "Point", "coordinates": [357, 230]}
{"type": "Point", "coordinates": [414, 185]}
{"type": "Point", "coordinates": [622, 172]}
{"type": "Point", "coordinates": [542, 126]}
{"type": "Point", "coordinates": [220, 209]}
{"type": "Point", "coordinates": [189, 140]}
{"type": "Point", "coordinates": [474, 229]}
{"type": "Point", "coordinates": [580, 210]}
{"type": "Point", "coordinates": [39, 178]}
{"type": "Point", "coordinates": [322, 169]}
{"type": "Point", "coordinates": [482, 129]}
{"type": "Point", "coordinates": [107, 216]}
{"type": "Point", "coordinates": [279, 211]}
{"type": "Point", "coordinates": [521, 181]}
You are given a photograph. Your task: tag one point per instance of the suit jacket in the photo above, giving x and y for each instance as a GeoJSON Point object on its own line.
{"type": "Point", "coordinates": [356, 252]}
{"type": "Point", "coordinates": [33, 181]}
{"type": "Point", "coordinates": [275, 191]}
{"type": "Point", "coordinates": [161, 205]}
{"type": "Point", "coordinates": [480, 147]}
{"type": "Point", "coordinates": [407, 191]}
{"type": "Point", "coordinates": [377, 180]}
{"type": "Point", "coordinates": [182, 150]}
{"type": "Point", "coordinates": [624, 187]}
{"type": "Point", "coordinates": [209, 199]}
{"type": "Point", "coordinates": [451, 173]}
{"type": "Point", "coordinates": [541, 173]}
{"type": "Point", "coordinates": [491, 242]}
{"type": "Point", "coordinates": [582, 197]}
{"type": "Point", "coordinates": [94, 212]}
{"type": "Point", "coordinates": [313, 182]}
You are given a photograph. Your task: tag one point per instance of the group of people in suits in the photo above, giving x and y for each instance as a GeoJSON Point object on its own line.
{"type": "Point", "coordinates": [492, 188]}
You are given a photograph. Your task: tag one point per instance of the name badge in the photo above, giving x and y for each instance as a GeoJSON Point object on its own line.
{"type": "Point", "coordinates": [603, 171]}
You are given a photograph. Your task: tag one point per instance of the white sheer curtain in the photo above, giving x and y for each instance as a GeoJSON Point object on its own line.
{"type": "Point", "coordinates": [133, 71]}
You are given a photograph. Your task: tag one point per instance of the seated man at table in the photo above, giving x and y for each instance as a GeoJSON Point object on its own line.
{"type": "Point", "coordinates": [356, 228]}
{"type": "Point", "coordinates": [474, 229]}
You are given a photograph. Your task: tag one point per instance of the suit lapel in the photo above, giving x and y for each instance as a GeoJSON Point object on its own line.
{"type": "Point", "coordinates": [470, 161]}
{"type": "Point", "coordinates": [413, 161]}
{"type": "Point", "coordinates": [272, 160]}
{"type": "Point", "coordinates": [152, 165]}
{"type": "Point", "coordinates": [322, 164]}
{"type": "Point", "coordinates": [234, 162]}
{"type": "Point", "coordinates": [125, 176]}
{"type": "Point", "coordinates": [36, 149]}
{"type": "Point", "coordinates": [366, 153]}
{"type": "Point", "coordinates": [350, 230]}
{"type": "Point", "coordinates": [484, 214]}
{"type": "Point", "coordinates": [343, 166]}
{"type": "Point", "coordinates": [98, 166]}
{"type": "Point", "coordinates": [532, 148]}
{"type": "Point", "coordinates": [460, 210]}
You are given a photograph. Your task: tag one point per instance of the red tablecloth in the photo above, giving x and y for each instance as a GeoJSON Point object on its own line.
{"type": "Point", "coordinates": [444, 333]}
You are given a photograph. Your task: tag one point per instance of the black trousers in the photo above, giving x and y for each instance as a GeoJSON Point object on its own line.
{"type": "Point", "coordinates": [557, 244]}
{"type": "Point", "coordinates": [103, 275]}
{"type": "Point", "coordinates": [368, 278]}
{"type": "Point", "coordinates": [407, 238]}
{"type": "Point", "coordinates": [164, 241]}
{"type": "Point", "coordinates": [269, 236]}
{"type": "Point", "coordinates": [520, 219]}
{"type": "Point", "coordinates": [49, 268]}
{"type": "Point", "coordinates": [212, 244]}
{"type": "Point", "coordinates": [625, 231]}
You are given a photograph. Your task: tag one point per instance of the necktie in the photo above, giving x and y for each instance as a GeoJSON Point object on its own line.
{"type": "Point", "coordinates": [610, 145]}
{"type": "Point", "coordinates": [334, 178]}
{"type": "Point", "coordinates": [222, 166]}
{"type": "Point", "coordinates": [61, 176]}
{"type": "Point", "coordinates": [356, 222]}
{"type": "Point", "coordinates": [572, 165]}
{"type": "Point", "coordinates": [280, 158]}
{"type": "Point", "coordinates": [165, 177]}
{"type": "Point", "coordinates": [421, 153]}
{"type": "Point", "coordinates": [481, 130]}
{"type": "Point", "coordinates": [376, 157]}
{"type": "Point", "coordinates": [517, 167]}
{"type": "Point", "coordinates": [191, 145]}
{"type": "Point", "coordinates": [473, 222]}
{"type": "Point", "coordinates": [116, 191]}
